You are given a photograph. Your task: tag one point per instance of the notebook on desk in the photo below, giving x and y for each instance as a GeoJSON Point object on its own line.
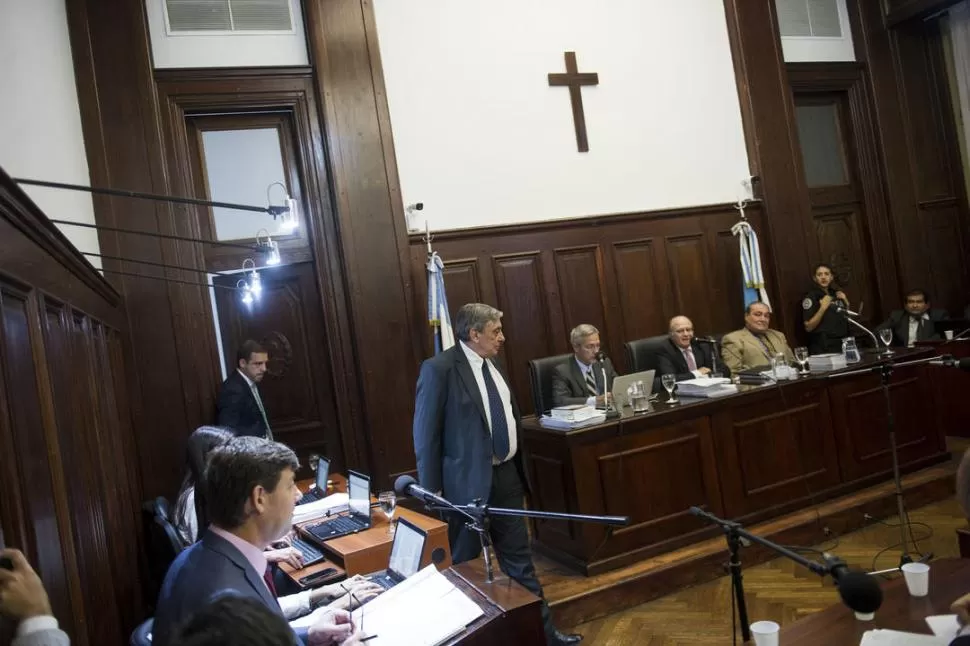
{"type": "Point", "coordinates": [406, 551]}
{"type": "Point", "coordinates": [357, 516]}
{"type": "Point", "coordinates": [319, 490]}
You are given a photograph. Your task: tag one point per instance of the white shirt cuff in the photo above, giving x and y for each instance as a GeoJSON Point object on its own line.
{"type": "Point", "coordinates": [590, 401]}
{"type": "Point", "coordinates": [697, 373]}
{"type": "Point", "coordinates": [36, 624]}
{"type": "Point", "coordinates": [295, 605]}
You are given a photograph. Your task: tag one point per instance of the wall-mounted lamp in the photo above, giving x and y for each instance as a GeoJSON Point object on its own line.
{"type": "Point", "coordinates": [268, 246]}
{"type": "Point", "coordinates": [290, 220]}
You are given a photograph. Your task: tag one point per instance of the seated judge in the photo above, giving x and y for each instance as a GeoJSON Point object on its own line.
{"type": "Point", "coordinates": [681, 355]}
{"type": "Point", "coordinates": [240, 406]}
{"type": "Point", "coordinates": [250, 494]}
{"type": "Point", "coordinates": [755, 344]}
{"type": "Point", "coordinates": [916, 322]}
{"type": "Point", "coordinates": [579, 380]}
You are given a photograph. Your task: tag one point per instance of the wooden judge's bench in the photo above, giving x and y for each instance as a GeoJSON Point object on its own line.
{"type": "Point", "coordinates": [758, 454]}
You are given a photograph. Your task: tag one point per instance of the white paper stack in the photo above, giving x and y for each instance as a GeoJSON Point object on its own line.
{"type": "Point", "coordinates": [831, 361]}
{"type": "Point", "coordinates": [574, 413]}
{"type": "Point", "coordinates": [563, 425]}
{"type": "Point", "coordinates": [333, 504]}
{"type": "Point", "coordinates": [706, 387]}
{"type": "Point", "coordinates": [881, 637]}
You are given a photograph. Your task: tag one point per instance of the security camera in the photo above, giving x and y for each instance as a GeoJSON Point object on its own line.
{"type": "Point", "coordinates": [417, 206]}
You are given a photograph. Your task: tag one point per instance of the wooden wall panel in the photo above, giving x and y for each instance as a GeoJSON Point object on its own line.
{"type": "Point", "coordinates": [628, 276]}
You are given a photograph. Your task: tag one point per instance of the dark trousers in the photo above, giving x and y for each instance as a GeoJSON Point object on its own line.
{"type": "Point", "coordinates": [510, 540]}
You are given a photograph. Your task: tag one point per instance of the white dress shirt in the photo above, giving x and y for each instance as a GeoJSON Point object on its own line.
{"type": "Point", "coordinates": [914, 328]}
{"type": "Point", "coordinates": [475, 362]}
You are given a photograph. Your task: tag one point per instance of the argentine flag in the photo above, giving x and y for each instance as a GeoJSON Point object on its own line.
{"type": "Point", "coordinates": [438, 317]}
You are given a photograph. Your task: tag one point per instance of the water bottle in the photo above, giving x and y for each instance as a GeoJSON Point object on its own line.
{"type": "Point", "coordinates": [850, 350]}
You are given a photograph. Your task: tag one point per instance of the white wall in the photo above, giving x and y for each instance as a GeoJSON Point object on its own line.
{"type": "Point", "coordinates": [482, 139]}
{"type": "Point", "coordinates": [185, 50]}
{"type": "Point", "coordinates": [40, 121]}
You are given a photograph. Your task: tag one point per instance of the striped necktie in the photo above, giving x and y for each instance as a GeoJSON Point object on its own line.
{"type": "Point", "coordinates": [591, 383]}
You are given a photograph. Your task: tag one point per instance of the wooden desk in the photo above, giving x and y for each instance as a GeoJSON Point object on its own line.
{"type": "Point", "coordinates": [370, 550]}
{"type": "Point", "coordinates": [837, 625]}
{"type": "Point", "coordinates": [761, 453]}
{"type": "Point", "coordinates": [950, 387]}
{"type": "Point", "coordinates": [512, 613]}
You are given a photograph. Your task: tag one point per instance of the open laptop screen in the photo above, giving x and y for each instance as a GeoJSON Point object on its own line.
{"type": "Point", "coordinates": [323, 473]}
{"type": "Point", "coordinates": [406, 550]}
{"type": "Point", "coordinates": [359, 494]}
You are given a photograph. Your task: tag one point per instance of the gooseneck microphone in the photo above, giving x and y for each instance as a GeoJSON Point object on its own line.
{"type": "Point", "coordinates": [858, 590]}
{"type": "Point", "coordinates": [949, 361]}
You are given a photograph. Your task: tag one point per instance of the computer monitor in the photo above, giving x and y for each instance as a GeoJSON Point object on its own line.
{"type": "Point", "coordinates": [358, 489]}
{"type": "Point", "coordinates": [323, 473]}
{"type": "Point", "coordinates": [407, 549]}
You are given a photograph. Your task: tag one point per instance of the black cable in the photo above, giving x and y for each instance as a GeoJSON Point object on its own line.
{"type": "Point", "coordinates": [164, 236]}
{"type": "Point", "coordinates": [169, 280]}
{"type": "Point", "coordinates": [157, 264]}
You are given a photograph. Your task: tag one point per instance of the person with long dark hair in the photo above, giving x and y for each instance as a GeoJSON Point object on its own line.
{"type": "Point", "coordinates": [190, 509]}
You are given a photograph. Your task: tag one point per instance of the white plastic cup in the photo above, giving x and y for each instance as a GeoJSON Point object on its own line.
{"type": "Point", "coordinates": [765, 633]}
{"type": "Point", "coordinates": [865, 616]}
{"type": "Point", "coordinates": [948, 334]}
{"type": "Point", "coordinates": [917, 578]}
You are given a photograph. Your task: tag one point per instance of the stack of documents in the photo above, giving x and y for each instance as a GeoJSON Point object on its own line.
{"type": "Point", "coordinates": [832, 361]}
{"type": "Point", "coordinates": [945, 628]}
{"type": "Point", "coordinates": [574, 413]}
{"type": "Point", "coordinates": [549, 421]}
{"type": "Point", "coordinates": [332, 504]}
{"type": "Point", "coordinates": [706, 387]}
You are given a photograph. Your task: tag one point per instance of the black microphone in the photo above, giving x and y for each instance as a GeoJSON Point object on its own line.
{"type": "Point", "coordinates": [705, 339]}
{"type": "Point", "coordinates": [949, 361]}
{"type": "Point", "coordinates": [858, 590]}
{"type": "Point", "coordinates": [407, 486]}
{"type": "Point", "coordinates": [438, 555]}
{"type": "Point", "coordinates": [601, 356]}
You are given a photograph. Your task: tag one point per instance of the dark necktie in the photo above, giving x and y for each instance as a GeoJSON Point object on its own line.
{"type": "Point", "coordinates": [268, 578]}
{"type": "Point", "coordinates": [590, 383]}
{"type": "Point", "coordinates": [500, 425]}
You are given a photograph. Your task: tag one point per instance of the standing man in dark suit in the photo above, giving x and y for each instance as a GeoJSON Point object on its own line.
{"type": "Point", "coordinates": [251, 492]}
{"type": "Point", "coordinates": [682, 355]}
{"type": "Point", "coordinates": [240, 405]}
{"type": "Point", "coordinates": [579, 380]}
{"type": "Point", "coordinates": [916, 323]}
{"type": "Point", "coordinates": [466, 439]}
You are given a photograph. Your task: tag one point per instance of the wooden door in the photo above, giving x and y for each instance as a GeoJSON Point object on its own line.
{"type": "Point", "coordinates": [298, 387]}
{"type": "Point", "coordinates": [839, 224]}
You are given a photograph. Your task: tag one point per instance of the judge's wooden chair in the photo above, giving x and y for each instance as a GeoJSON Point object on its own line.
{"type": "Point", "coordinates": [540, 374]}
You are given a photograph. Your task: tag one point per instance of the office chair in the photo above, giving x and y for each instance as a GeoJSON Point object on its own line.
{"type": "Point", "coordinates": [540, 376]}
{"type": "Point", "coordinates": [642, 354]}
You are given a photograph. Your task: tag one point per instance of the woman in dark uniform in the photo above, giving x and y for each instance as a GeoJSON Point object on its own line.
{"type": "Point", "coordinates": [826, 327]}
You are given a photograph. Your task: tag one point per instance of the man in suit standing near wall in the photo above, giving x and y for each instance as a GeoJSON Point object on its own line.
{"type": "Point", "coordinates": [23, 599]}
{"type": "Point", "coordinates": [682, 355]}
{"type": "Point", "coordinates": [240, 406]}
{"type": "Point", "coordinates": [916, 323]}
{"type": "Point", "coordinates": [755, 344]}
{"type": "Point", "coordinates": [467, 444]}
{"type": "Point", "coordinates": [579, 380]}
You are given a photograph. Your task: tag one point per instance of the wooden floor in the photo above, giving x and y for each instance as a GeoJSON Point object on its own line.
{"type": "Point", "coordinates": [778, 590]}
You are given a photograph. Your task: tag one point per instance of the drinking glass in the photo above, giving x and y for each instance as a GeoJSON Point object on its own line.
{"type": "Point", "coordinates": [779, 366]}
{"type": "Point", "coordinates": [886, 336]}
{"type": "Point", "coordinates": [669, 382]}
{"type": "Point", "coordinates": [388, 502]}
{"type": "Point", "coordinates": [801, 356]}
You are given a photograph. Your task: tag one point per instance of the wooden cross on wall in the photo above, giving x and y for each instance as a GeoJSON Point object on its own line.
{"type": "Point", "coordinates": [575, 81]}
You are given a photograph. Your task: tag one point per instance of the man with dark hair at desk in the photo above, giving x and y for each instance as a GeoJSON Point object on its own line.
{"type": "Point", "coordinates": [23, 599]}
{"type": "Point", "coordinates": [240, 405]}
{"type": "Point", "coordinates": [682, 355]}
{"type": "Point", "coordinates": [466, 440]}
{"type": "Point", "coordinates": [251, 492]}
{"type": "Point", "coordinates": [579, 380]}
{"type": "Point", "coordinates": [755, 344]}
{"type": "Point", "coordinates": [916, 322]}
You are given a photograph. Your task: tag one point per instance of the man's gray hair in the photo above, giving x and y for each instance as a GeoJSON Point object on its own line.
{"type": "Point", "coordinates": [580, 332]}
{"type": "Point", "coordinates": [474, 316]}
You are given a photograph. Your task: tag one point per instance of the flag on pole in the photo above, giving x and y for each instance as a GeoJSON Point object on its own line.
{"type": "Point", "coordinates": [753, 278]}
{"type": "Point", "coordinates": [438, 317]}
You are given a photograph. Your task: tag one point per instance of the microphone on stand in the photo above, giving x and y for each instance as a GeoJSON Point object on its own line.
{"type": "Point", "coordinates": [610, 408]}
{"type": "Point", "coordinates": [858, 590]}
{"type": "Point", "coordinates": [949, 361]}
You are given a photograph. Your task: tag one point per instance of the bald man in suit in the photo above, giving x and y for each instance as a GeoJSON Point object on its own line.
{"type": "Point", "coordinates": [755, 344]}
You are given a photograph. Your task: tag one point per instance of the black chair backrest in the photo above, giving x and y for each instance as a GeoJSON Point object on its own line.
{"type": "Point", "coordinates": [540, 374]}
{"type": "Point", "coordinates": [142, 635]}
{"type": "Point", "coordinates": [642, 354]}
{"type": "Point", "coordinates": [162, 544]}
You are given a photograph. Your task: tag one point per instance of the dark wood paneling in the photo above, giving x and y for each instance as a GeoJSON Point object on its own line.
{"type": "Point", "coordinates": [628, 276]}
{"type": "Point", "coordinates": [898, 11]}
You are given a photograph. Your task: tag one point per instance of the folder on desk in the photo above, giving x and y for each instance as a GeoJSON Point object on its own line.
{"type": "Point", "coordinates": [882, 637]}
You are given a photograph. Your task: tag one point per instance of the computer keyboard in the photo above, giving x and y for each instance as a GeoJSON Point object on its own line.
{"type": "Point", "coordinates": [334, 527]}
{"type": "Point", "coordinates": [312, 495]}
{"type": "Point", "coordinates": [310, 554]}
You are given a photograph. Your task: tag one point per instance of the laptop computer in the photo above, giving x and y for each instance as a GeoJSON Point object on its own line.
{"type": "Point", "coordinates": [622, 382]}
{"type": "Point", "coordinates": [319, 490]}
{"type": "Point", "coordinates": [406, 551]}
{"type": "Point", "coordinates": [356, 518]}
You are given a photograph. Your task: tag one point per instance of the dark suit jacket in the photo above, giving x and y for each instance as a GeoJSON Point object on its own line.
{"type": "Point", "coordinates": [899, 322]}
{"type": "Point", "coordinates": [670, 360]}
{"type": "Point", "coordinates": [569, 386]}
{"type": "Point", "coordinates": [452, 442]}
{"type": "Point", "coordinates": [238, 409]}
{"type": "Point", "coordinates": [198, 574]}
